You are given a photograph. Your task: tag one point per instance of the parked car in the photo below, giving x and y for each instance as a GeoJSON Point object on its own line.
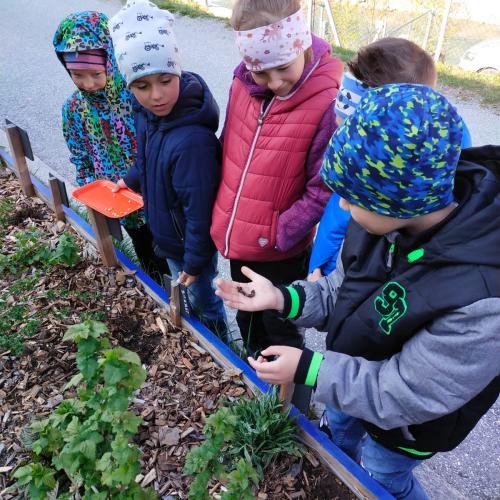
{"type": "Point", "coordinates": [483, 57]}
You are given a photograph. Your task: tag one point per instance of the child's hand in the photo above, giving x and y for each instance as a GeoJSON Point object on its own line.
{"type": "Point", "coordinates": [281, 370]}
{"type": "Point", "coordinates": [258, 295]}
{"type": "Point", "coordinates": [315, 275]}
{"type": "Point", "coordinates": [186, 279]}
{"type": "Point", "coordinates": [119, 185]}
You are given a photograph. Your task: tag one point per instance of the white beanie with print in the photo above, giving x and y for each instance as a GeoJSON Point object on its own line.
{"type": "Point", "coordinates": [143, 41]}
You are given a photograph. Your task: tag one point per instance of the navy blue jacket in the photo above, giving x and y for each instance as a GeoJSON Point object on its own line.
{"type": "Point", "coordinates": [178, 171]}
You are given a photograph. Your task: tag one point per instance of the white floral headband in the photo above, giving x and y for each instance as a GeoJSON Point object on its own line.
{"type": "Point", "coordinates": [275, 44]}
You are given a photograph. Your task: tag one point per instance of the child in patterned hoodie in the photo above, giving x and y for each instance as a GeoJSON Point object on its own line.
{"type": "Point", "coordinates": [97, 119]}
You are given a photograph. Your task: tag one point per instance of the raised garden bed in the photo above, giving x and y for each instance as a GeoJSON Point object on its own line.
{"type": "Point", "coordinates": [41, 295]}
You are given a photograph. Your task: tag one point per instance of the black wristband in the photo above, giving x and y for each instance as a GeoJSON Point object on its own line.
{"type": "Point", "coordinates": [303, 366]}
{"type": "Point", "coordinates": [287, 301]}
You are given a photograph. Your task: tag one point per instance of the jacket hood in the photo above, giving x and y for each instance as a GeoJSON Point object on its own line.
{"type": "Point", "coordinates": [195, 106]}
{"type": "Point", "coordinates": [319, 48]}
{"type": "Point", "coordinates": [85, 31]}
{"type": "Point", "coordinates": [471, 233]}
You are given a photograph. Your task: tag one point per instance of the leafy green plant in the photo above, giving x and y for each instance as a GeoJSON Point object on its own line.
{"type": "Point", "coordinates": [241, 441]}
{"type": "Point", "coordinates": [66, 252]}
{"type": "Point", "coordinates": [84, 447]}
{"type": "Point", "coordinates": [15, 325]}
{"type": "Point", "coordinates": [6, 208]}
{"type": "Point", "coordinates": [31, 250]}
{"type": "Point", "coordinates": [38, 479]}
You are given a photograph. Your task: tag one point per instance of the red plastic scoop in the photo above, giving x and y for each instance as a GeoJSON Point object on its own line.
{"type": "Point", "coordinates": [99, 196]}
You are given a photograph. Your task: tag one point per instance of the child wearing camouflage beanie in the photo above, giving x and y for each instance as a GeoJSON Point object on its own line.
{"type": "Point", "coordinates": [385, 61]}
{"type": "Point", "coordinates": [178, 162]}
{"type": "Point", "coordinates": [412, 309]}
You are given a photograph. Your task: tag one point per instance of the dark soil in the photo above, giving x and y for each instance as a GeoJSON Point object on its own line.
{"type": "Point", "coordinates": [128, 332]}
{"type": "Point", "coordinates": [26, 212]}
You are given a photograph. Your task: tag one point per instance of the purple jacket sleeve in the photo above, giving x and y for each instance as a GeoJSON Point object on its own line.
{"type": "Point", "coordinates": [296, 222]}
{"type": "Point", "coordinates": [221, 138]}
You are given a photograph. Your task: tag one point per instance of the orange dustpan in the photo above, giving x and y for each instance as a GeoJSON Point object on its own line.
{"type": "Point", "coordinates": [99, 196]}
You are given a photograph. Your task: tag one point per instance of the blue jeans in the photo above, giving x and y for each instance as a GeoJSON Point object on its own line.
{"type": "Point", "coordinates": [208, 308]}
{"type": "Point", "coordinates": [392, 470]}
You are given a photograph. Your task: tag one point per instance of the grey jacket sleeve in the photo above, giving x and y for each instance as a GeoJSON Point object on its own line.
{"type": "Point", "coordinates": [320, 298]}
{"type": "Point", "coordinates": [438, 370]}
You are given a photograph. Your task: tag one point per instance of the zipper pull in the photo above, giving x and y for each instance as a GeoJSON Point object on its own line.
{"type": "Point", "coordinates": [260, 120]}
{"type": "Point", "coordinates": [390, 256]}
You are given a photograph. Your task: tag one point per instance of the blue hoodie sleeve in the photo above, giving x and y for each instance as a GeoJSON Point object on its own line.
{"type": "Point", "coordinates": [196, 179]}
{"type": "Point", "coordinates": [331, 233]}
{"type": "Point", "coordinates": [132, 178]}
{"type": "Point", "coordinates": [466, 136]}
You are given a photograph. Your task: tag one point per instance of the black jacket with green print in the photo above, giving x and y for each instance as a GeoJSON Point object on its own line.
{"type": "Point", "coordinates": [414, 324]}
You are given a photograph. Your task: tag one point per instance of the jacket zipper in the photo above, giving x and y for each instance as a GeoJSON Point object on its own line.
{"type": "Point", "coordinates": [177, 226]}
{"type": "Point", "coordinates": [390, 257]}
{"type": "Point", "coordinates": [262, 115]}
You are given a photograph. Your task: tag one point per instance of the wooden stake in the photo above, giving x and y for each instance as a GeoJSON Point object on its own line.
{"type": "Point", "coordinates": [286, 394]}
{"type": "Point", "coordinates": [103, 238]}
{"type": "Point", "coordinates": [175, 305]}
{"type": "Point", "coordinates": [56, 199]}
{"type": "Point", "coordinates": [17, 151]}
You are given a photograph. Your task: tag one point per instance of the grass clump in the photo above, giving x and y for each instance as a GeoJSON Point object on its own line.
{"type": "Point", "coordinates": [242, 439]}
{"type": "Point", "coordinates": [486, 86]}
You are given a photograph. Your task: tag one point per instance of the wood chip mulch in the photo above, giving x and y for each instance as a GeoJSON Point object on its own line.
{"type": "Point", "coordinates": [184, 384]}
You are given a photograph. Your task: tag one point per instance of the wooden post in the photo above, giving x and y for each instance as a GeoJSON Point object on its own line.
{"type": "Point", "coordinates": [17, 151]}
{"type": "Point", "coordinates": [286, 394]}
{"type": "Point", "coordinates": [175, 304]}
{"type": "Point", "coordinates": [310, 7]}
{"type": "Point", "coordinates": [57, 199]}
{"type": "Point", "coordinates": [103, 238]}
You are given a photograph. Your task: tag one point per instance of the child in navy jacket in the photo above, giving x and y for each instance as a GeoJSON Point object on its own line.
{"type": "Point", "coordinates": [178, 162]}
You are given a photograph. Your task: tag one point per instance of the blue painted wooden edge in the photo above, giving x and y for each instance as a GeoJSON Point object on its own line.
{"type": "Point", "coordinates": [305, 424]}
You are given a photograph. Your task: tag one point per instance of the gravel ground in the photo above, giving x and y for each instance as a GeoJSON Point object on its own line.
{"type": "Point", "coordinates": [33, 87]}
